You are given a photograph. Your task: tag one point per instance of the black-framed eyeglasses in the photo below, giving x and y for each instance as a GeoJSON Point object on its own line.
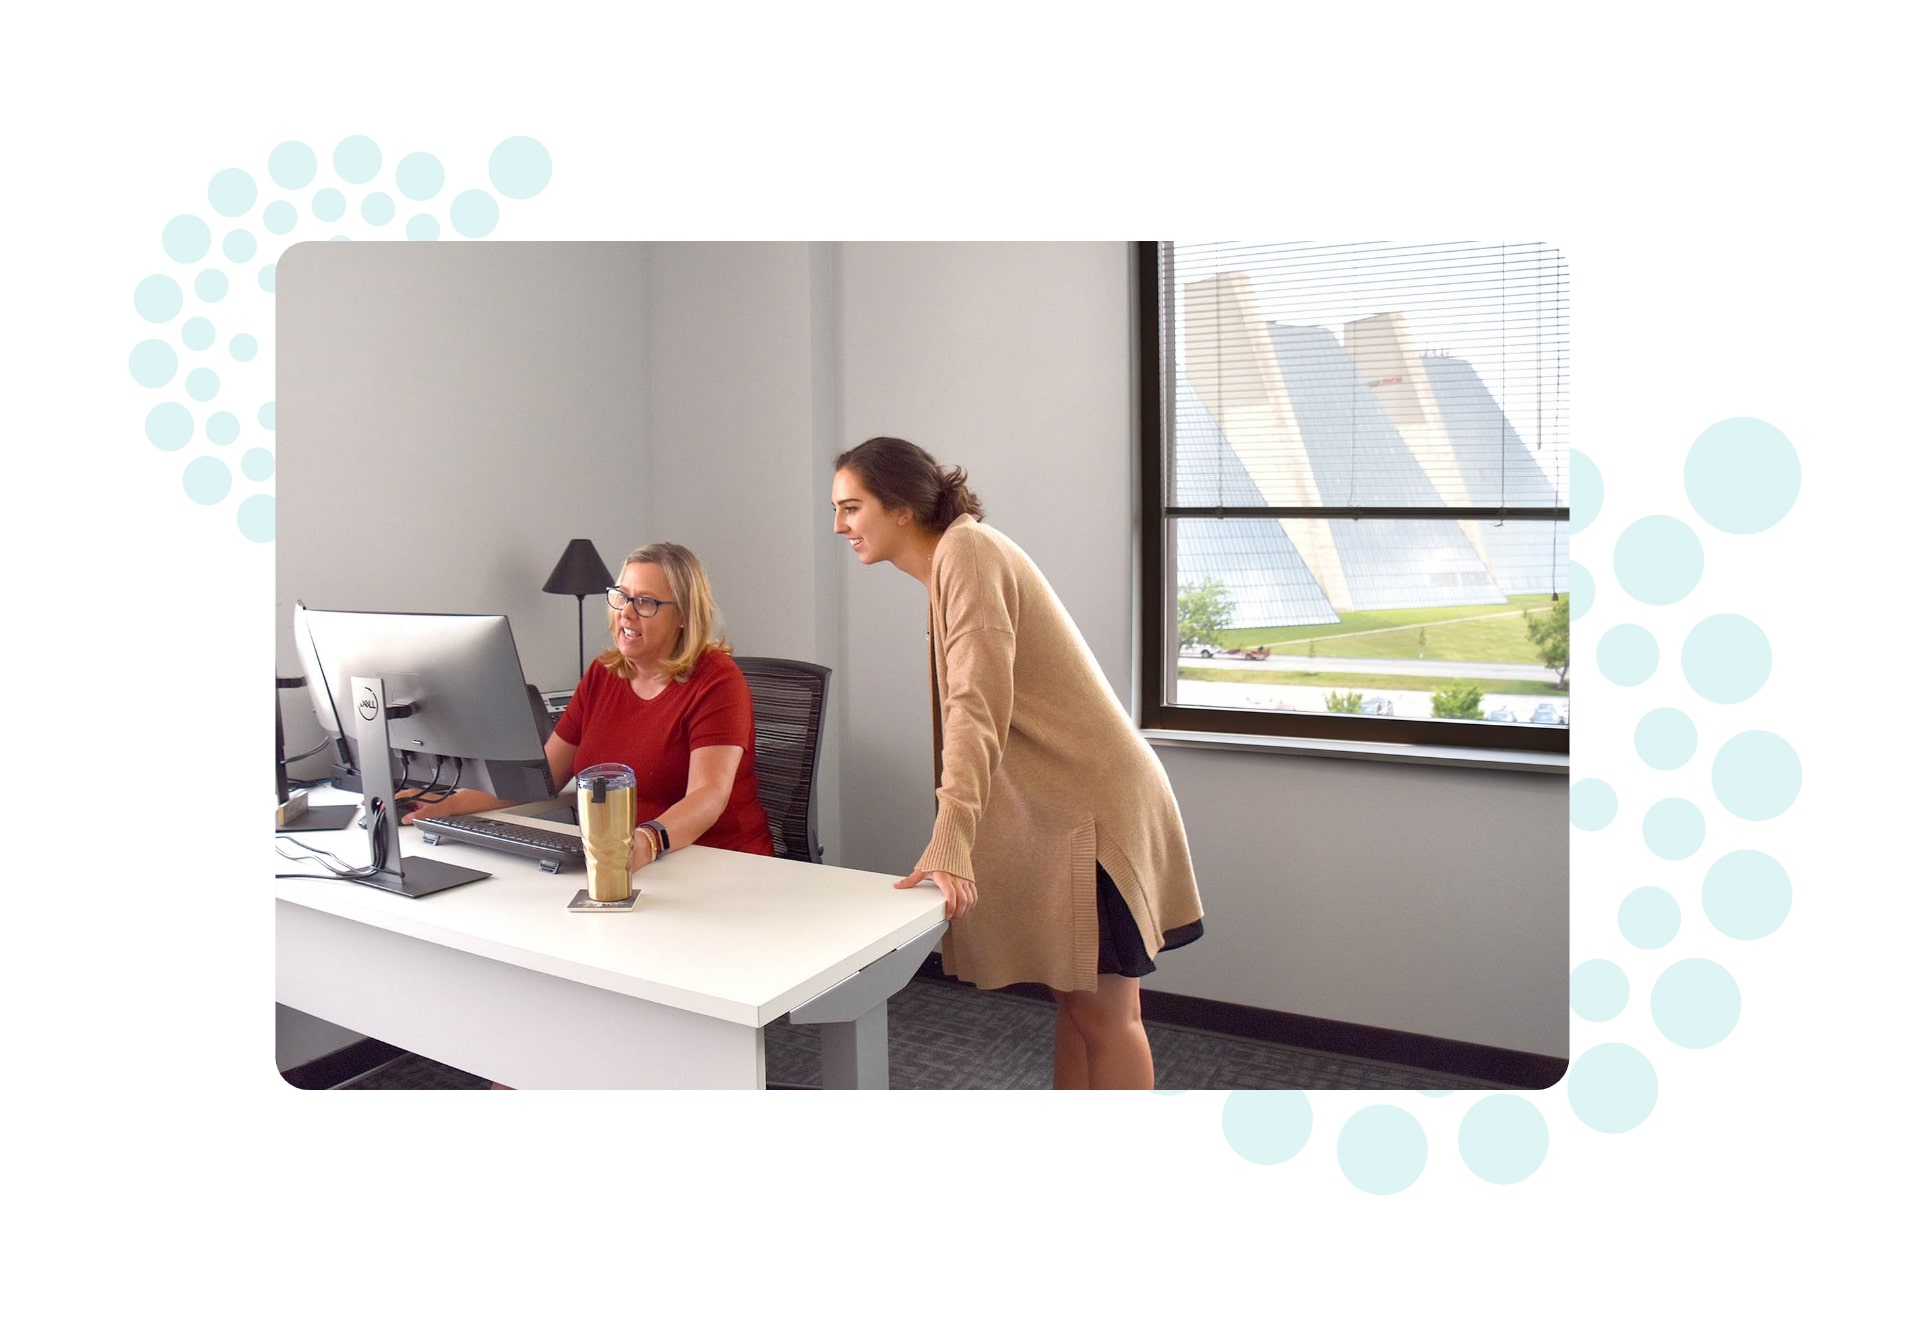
{"type": "Point", "coordinates": [644, 606]}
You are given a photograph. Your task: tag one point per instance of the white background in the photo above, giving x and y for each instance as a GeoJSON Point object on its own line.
{"type": "Point", "coordinates": [1728, 191]}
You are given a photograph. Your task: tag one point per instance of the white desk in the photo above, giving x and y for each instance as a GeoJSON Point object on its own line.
{"type": "Point", "coordinates": [498, 978]}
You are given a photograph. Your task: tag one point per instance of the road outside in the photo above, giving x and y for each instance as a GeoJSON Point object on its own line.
{"type": "Point", "coordinates": [1439, 669]}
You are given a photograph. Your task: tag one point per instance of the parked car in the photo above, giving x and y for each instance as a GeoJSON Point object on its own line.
{"type": "Point", "coordinates": [1504, 714]}
{"type": "Point", "coordinates": [1376, 706]}
{"type": "Point", "coordinates": [1547, 714]}
{"type": "Point", "coordinates": [1208, 652]}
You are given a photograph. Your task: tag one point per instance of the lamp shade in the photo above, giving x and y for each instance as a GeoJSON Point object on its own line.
{"type": "Point", "coordinates": [580, 572]}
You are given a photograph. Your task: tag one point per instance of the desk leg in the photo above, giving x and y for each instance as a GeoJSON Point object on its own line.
{"type": "Point", "coordinates": [853, 1054]}
{"type": "Point", "coordinates": [852, 1016]}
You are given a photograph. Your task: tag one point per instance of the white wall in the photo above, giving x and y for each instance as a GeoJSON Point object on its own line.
{"type": "Point", "coordinates": [705, 389]}
{"type": "Point", "coordinates": [449, 416]}
{"type": "Point", "coordinates": [1408, 897]}
{"type": "Point", "coordinates": [742, 425]}
{"type": "Point", "coordinates": [1012, 360]}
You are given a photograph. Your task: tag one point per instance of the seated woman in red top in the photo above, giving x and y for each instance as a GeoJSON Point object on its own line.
{"type": "Point", "coordinates": [667, 700]}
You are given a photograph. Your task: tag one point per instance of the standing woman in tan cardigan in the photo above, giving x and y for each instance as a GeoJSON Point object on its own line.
{"type": "Point", "coordinates": [1056, 840]}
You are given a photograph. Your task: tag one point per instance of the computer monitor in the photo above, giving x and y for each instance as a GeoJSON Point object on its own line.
{"type": "Point", "coordinates": [409, 698]}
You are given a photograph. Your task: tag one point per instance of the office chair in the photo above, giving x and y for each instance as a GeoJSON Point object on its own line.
{"type": "Point", "coordinates": [789, 698]}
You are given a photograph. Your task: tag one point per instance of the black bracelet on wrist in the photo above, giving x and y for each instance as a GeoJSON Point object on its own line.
{"type": "Point", "coordinates": [659, 829]}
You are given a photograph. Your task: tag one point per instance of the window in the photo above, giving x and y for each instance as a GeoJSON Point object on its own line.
{"type": "Point", "coordinates": [1354, 470]}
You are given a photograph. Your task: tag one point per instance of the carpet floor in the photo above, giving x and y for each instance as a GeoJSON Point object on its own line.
{"type": "Point", "coordinates": [943, 1035]}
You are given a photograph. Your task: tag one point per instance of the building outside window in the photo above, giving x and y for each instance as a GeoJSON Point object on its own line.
{"type": "Point", "coordinates": [1355, 467]}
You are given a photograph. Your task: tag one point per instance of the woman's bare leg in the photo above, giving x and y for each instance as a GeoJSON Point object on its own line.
{"type": "Point", "coordinates": [1107, 1021]}
{"type": "Point", "coordinates": [1069, 1049]}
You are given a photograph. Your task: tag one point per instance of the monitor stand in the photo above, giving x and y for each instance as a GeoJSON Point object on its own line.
{"type": "Point", "coordinates": [420, 876]}
{"type": "Point", "coordinates": [409, 875]}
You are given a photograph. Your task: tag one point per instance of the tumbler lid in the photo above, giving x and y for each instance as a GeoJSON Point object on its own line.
{"type": "Point", "coordinates": [603, 776]}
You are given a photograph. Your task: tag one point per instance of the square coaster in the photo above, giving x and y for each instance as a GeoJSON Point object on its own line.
{"type": "Point", "coordinates": [585, 904]}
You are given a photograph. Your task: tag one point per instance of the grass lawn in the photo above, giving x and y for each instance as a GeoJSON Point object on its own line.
{"type": "Point", "coordinates": [1453, 632]}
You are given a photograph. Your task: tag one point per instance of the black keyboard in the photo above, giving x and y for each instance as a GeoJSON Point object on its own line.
{"type": "Point", "coordinates": [557, 851]}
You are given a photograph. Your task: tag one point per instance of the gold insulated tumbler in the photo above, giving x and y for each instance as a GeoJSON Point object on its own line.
{"type": "Point", "coordinates": [606, 828]}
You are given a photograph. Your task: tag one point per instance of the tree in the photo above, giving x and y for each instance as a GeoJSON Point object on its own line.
{"type": "Point", "coordinates": [1348, 703]}
{"type": "Point", "coordinates": [1550, 635]}
{"type": "Point", "coordinates": [1457, 701]}
{"type": "Point", "coordinates": [1206, 612]}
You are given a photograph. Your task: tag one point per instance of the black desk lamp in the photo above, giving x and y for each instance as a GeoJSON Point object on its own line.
{"type": "Point", "coordinates": [580, 573]}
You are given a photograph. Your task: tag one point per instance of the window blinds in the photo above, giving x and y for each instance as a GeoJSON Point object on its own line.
{"type": "Point", "coordinates": [1364, 380]}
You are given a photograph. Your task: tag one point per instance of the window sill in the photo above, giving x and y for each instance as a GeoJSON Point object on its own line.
{"type": "Point", "coordinates": [1432, 755]}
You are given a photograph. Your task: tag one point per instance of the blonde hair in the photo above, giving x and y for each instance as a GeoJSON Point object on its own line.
{"type": "Point", "coordinates": [701, 630]}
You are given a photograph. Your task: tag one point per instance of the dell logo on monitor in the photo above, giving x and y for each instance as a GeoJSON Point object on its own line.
{"type": "Point", "coordinates": [369, 704]}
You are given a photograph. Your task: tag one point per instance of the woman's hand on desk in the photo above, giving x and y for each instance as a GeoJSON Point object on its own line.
{"type": "Point", "coordinates": [460, 801]}
{"type": "Point", "coordinates": [958, 892]}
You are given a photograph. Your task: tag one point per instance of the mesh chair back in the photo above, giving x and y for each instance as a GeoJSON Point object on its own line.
{"type": "Point", "coordinates": [789, 699]}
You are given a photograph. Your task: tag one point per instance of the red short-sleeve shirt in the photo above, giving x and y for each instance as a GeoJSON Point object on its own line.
{"type": "Point", "coordinates": [607, 721]}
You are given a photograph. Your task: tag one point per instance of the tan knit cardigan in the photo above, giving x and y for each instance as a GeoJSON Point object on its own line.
{"type": "Point", "coordinates": [1041, 774]}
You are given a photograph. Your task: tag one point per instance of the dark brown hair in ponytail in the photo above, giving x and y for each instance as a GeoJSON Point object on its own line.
{"type": "Point", "coordinates": [904, 475]}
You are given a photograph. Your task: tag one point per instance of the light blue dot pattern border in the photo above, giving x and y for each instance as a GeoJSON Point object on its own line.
{"type": "Point", "coordinates": [205, 373]}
